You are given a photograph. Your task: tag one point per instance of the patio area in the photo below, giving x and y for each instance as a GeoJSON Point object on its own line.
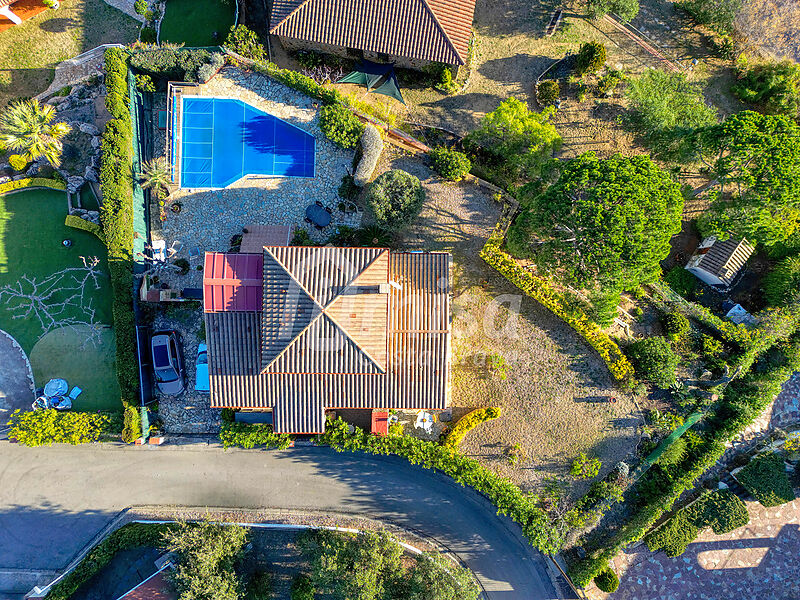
{"type": "Point", "coordinates": [209, 219]}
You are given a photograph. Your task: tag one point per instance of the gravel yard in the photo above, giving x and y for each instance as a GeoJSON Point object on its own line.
{"type": "Point", "coordinates": [554, 397]}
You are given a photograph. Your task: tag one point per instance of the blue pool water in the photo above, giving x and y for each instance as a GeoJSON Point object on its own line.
{"type": "Point", "coordinates": [222, 140]}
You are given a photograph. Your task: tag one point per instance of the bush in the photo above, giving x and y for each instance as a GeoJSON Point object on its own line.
{"type": "Point", "coordinates": [132, 424]}
{"type": "Point", "coordinates": [205, 72]}
{"type": "Point", "coordinates": [592, 57]}
{"type": "Point", "coordinates": [18, 162]}
{"type": "Point", "coordinates": [681, 281]}
{"type": "Point", "coordinates": [10, 186]}
{"type": "Point", "coordinates": [654, 360]}
{"type": "Point", "coordinates": [245, 42]}
{"type": "Point", "coordinates": [673, 536]}
{"type": "Point", "coordinates": [607, 580]}
{"type": "Point", "coordinates": [340, 125]}
{"type": "Point", "coordinates": [775, 86]}
{"type": "Point", "coordinates": [626, 10]}
{"type": "Point", "coordinates": [604, 306]}
{"type": "Point", "coordinates": [540, 531]}
{"type": "Point", "coordinates": [782, 284]}
{"type": "Point", "coordinates": [717, 14]}
{"type": "Point", "coordinates": [140, 6]}
{"type": "Point", "coordinates": [395, 199]}
{"type": "Point", "coordinates": [584, 467]}
{"type": "Point", "coordinates": [148, 35]}
{"type": "Point", "coordinates": [48, 427]}
{"type": "Point", "coordinates": [259, 587]}
{"type": "Point", "coordinates": [722, 510]}
{"type": "Point", "coordinates": [371, 150]}
{"type": "Point", "coordinates": [467, 423]}
{"type": "Point", "coordinates": [168, 63]}
{"type": "Point", "coordinates": [144, 83]}
{"type": "Point", "coordinates": [609, 82]}
{"type": "Point", "coordinates": [675, 453]}
{"type": "Point", "coordinates": [676, 325]}
{"type": "Point", "coordinates": [302, 588]}
{"type": "Point", "coordinates": [76, 222]}
{"type": "Point", "coordinates": [450, 164]}
{"type": "Point", "coordinates": [766, 479]}
{"type": "Point", "coordinates": [348, 190]}
{"type": "Point", "coordinates": [547, 92]}
{"type": "Point", "coordinates": [249, 436]}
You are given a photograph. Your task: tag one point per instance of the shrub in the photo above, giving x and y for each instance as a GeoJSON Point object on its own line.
{"type": "Point", "coordinates": [166, 62]}
{"type": "Point", "coordinates": [18, 184]}
{"type": "Point", "coordinates": [259, 587]}
{"type": "Point", "coordinates": [782, 284]}
{"type": "Point", "coordinates": [547, 92]}
{"type": "Point", "coordinates": [469, 422]}
{"type": "Point", "coordinates": [450, 164]}
{"type": "Point", "coordinates": [245, 42]}
{"type": "Point", "coordinates": [766, 479]}
{"type": "Point", "coordinates": [584, 467]}
{"type": "Point", "coordinates": [604, 306]}
{"type": "Point", "coordinates": [205, 72]}
{"type": "Point", "coordinates": [48, 427]}
{"type": "Point", "coordinates": [18, 162]}
{"type": "Point", "coordinates": [675, 453]}
{"type": "Point", "coordinates": [717, 14]}
{"type": "Point", "coordinates": [722, 510]}
{"type": "Point", "coordinates": [395, 199]}
{"type": "Point", "coordinates": [340, 125]}
{"type": "Point", "coordinates": [624, 9]}
{"type": "Point", "coordinates": [676, 325]}
{"type": "Point", "coordinates": [76, 222]}
{"type": "Point", "coordinates": [775, 86]}
{"type": "Point", "coordinates": [348, 190]}
{"type": "Point", "coordinates": [249, 436]}
{"type": "Point", "coordinates": [681, 281]}
{"type": "Point", "coordinates": [592, 57]}
{"type": "Point", "coordinates": [302, 588]}
{"type": "Point", "coordinates": [132, 424]}
{"type": "Point", "coordinates": [148, 35]}
{"type": "Point", "coordinates": [607, 580]}
{"type": "Point", "coordinates": [140, 6]}
{"type": "Point", "coordinates": [673, 536]}
{"type": "Point", "coordinates": [144, 83]}
{"type": "Point", "coordinates": [654, 360]}
{"type": "Point", "coordinates": [371, 150]}
{"type": "Point", "coordinates": [609, 82]}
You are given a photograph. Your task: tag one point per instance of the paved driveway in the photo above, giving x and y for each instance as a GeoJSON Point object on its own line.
{"type": "Point", "coordinates": [54, 500]}
{"type": "Point", "coordinates": [15, 378]}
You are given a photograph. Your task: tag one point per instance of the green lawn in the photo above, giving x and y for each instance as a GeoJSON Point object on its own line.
{"type": "Point", "coordinates": [30, 51]}
{"type": "Point", "coordinates": [193, 22]}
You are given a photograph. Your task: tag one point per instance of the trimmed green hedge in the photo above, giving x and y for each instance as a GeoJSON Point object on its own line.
{"type": "Point", "coordinates": [116, 215]}
{"type": "Point", "coordinates": [250, 436]}
{"type": "Point", "coordinates": [76, 222]}
{"type": "Point", "coordinates": [10, 186]}
{"type": "Point", "coordinates": [131, 535]}
{"type": "Point", "coordinates": [467, 423]}
{"type": "Point", "coordinates": [48, 427]}
{"type": "Point", "coordinates": [766, 479]}
{"type": "Point", "coordinates": [543, 534]}
{"type": "Point", "coordinates": [540, 290]}
{"type": "Point", "coordinates": [607, 580]}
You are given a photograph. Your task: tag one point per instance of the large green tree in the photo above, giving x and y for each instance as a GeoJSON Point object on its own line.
{"type": "Point", "coordinates": [603, 223]}
{"type": "Point", "coordinates": [717, 14]}
{"type": "Point", "coordinates": [774, 86]}
{"type": "Point", "coordinates": [517, 137]}
{"type": "Point", "coordinates": [754, 166]}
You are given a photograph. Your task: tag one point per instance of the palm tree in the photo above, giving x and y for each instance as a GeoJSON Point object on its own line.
{"type": "Point", "coordinates": [155, 174]}
{"type": "Point", "coordinates": [26, 127]}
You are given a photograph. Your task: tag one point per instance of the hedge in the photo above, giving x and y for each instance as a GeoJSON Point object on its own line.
{"type": "Point", "coordinates": [766, 479]}
{"type": "Point", "coordinates": [371, 150]}
{"type": "Point", "coordinates": [543, 534]}
{"type": "Point", "coordinates": [10, 186]}
{"type": "Point", "coordinates": [540, 290]}
{"type": "Point", "coordinates": [76, 222]}
{"type": "Point", "coordinates": [745, 399]}
{"type": "Point", "coordinates": [131, 535]}
{"type": "Point", "coordinates": [116, 215]}
{"type": "Point", "coordinates": [250, 436]}
{"type": "Point", "coordinates": [469, 422]}
{"type": "Point", "coordinates": [48, 427]}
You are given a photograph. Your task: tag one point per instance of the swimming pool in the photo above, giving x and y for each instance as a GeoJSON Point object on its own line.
{"type": "Point", "coordinates": [222, 140]}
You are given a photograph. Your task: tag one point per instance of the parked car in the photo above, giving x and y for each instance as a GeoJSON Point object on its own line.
{"type": "Point", "coordinates": [167, 365]}
{"type": "Point", "coordinates": [201, 382]}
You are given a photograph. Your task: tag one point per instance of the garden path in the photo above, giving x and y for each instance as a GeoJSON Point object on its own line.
{"type": "Point", "coordinates": [16, 378]}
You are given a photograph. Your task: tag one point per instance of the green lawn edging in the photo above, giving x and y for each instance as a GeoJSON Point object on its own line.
{"type": "Point", "coordinates": [116, 216]}
{"type": "Point", "coordinates": [76, 222]}
{"type": "Point", "coordinates": [540, 290]}
{"type": "Point", "coordinates": [32, 182]}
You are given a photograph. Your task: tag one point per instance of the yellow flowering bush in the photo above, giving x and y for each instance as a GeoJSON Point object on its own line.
{"type": "Point", "coordinates": [45, 427]}
{"type": "Point", "coordinates": [540, 290]}
{"type": "Point", "coordinates": [469, 422]}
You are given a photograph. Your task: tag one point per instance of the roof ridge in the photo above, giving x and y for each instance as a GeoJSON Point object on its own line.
{"type": "Point", "coordinates": [290, 15]}
{"type": "Point", "coordinates": [354, 342]}
{"type": "Point", "coordinates": [349, 284]}
{"type": "Point", "coordinates": [293, 278]}
{"type": "Point", "coordinates": [441, 29]}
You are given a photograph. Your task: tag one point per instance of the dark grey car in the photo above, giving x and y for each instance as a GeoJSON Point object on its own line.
{"type": "Point", "coordinates": [167, 365]}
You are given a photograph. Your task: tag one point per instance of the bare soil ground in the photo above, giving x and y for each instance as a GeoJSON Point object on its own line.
{"type": "Point", "coordinates": [772, 26]}
{"type": "Point", "coordinates": [553, 399]}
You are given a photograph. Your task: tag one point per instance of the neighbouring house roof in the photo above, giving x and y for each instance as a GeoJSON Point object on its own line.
{"type": "Point", "coordinates": [255, 237]}
{"type": "Point", "coordinates": [723, 259]}
{"type": "Point", "coordinates": [338, 328]}
{"type": "Point", "coordinates": [434, 30]}
{"type": "Point", "coordinates": [232, 281]}
{"type": "Point", "coordinates": [155, 587]}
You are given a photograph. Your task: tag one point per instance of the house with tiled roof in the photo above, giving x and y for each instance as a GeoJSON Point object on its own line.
{"type": "Point", "coordinates": [409, 33]}
{"type": "Point", "coordinates": [298, 331]}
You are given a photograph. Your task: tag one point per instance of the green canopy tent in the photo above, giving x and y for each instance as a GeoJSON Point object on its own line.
{"type": "Point", "coordinates": [377, 78]}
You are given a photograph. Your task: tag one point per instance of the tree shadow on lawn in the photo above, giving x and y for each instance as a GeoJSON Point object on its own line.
{"type": "Point", "coordinates": [59, 25]}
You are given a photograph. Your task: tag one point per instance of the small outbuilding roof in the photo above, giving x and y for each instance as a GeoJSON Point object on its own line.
{"type": "Point", "coordinates": [723, 259]}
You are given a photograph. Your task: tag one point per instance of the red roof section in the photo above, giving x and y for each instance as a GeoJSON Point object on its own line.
{"type": "Point", "coordinates": [233, 282]}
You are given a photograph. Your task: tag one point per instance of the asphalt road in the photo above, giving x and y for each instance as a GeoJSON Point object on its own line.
{"type": "Point", "coordinates": [54, 500]}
